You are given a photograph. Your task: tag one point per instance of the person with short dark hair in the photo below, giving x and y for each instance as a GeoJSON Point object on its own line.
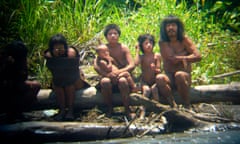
{"type": "Point", "coordinates": [121, 54]}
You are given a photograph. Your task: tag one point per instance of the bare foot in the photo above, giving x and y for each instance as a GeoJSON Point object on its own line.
{"type": "Point", "coordinates": [69, 116]}
{"type": "Point", "coordinates": [142, 113]}
{"type": "Point", "coordinates": [59, 116]}
{"type": "Point", "coordinates": [110, 111]}
{"type": "Point", "coordinates": [135, 89]}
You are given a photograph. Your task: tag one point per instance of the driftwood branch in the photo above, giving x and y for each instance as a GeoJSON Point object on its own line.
{"type": "Point", "coordinates": [226, 74]}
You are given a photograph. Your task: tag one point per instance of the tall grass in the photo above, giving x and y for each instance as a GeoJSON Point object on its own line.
{"type": "Point", "coordinates": [81, 20]}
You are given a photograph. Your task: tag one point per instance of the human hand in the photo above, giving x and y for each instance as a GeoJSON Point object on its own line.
{"type": "Point", "coordinates": [137, 47]}
{"type": "Point", "coordinates": [152, 66]}
{"type": "Point", "coordinates": [185, 64]}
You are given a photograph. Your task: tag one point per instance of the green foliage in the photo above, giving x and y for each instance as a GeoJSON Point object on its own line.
{"type": "Point", "coordinates": [211, 24]}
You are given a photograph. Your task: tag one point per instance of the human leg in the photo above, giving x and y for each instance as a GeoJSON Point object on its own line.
{"type": "Point", "coordinates": [183, 82]}
{"type": "Point", "coordinates": [163, 84]}
{"type": "Point", "coordinates": [125, 91]}
{"type": "Point", "coordinates": [32, 89]}
{"type": "Point", "coordinates": [154, 90]}
{"type": "Point", "coordinates": [70, 96]}
{"type": "Point", "coordinates": [146, 92]}
{"type": "Point", "coordinates": [130, 80]}
{"type": "Point", "coordinates": [106, 90]}
{"type": "Point", "coordinates": [60, 95]}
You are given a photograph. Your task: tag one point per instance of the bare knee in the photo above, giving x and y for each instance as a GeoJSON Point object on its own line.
{"type": "Point", "coordinates": [105, 83]}
{"type": "Point", "coordinates": [162, 80]}
{"type": "Point", "coordinates": [146, 90]}
{"type": "Point", "coordinates": [181, 78]}
{"type": "Point", "coordinates": [122, 83]}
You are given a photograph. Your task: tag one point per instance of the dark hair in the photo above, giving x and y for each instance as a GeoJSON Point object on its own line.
{"type": "Point", "coordinates": [171, 19]}
{"type": "Point", "coordinates": [17, 49]}
{"type": "Point", "coordinates": [57, 39]}
{"type": "Point", "coordinates": [110, 27]}
{"type": "Point", "coordinates": [144, 37]}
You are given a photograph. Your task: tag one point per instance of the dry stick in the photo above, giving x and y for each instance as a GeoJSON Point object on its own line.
{"type": "Point", "coordinates": [150, 121]}
{"type": "Point", "coordinates": [226, 74]}
{"type": "Point", "coordinates": [212, 118]}
{"type": "Point", "coordinates": [214, 108]}
{"type": "Point", "coordinates": [129, 123]}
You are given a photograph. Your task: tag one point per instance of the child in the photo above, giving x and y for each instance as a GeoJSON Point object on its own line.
{"type": "Point", "coordinates": [150, 66]}
{"type": "Point", "coordinates": [63, 62]}
{"type": "Point", "coordinates": [108, 64]}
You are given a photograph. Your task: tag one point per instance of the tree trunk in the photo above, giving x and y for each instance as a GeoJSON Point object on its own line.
{"type": "Point", "coordinates": [177, 120]}
{"type": "Point", "coordinates": [90, 97]}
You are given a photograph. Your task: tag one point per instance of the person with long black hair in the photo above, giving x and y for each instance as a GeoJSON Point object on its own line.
{"type": "Point", "coordinates": [178, 53]}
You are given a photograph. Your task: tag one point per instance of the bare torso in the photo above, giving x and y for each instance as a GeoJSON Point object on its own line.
{"type": "Point", "coordinates": [170, 49]}
{"type": "Point", "coordinates": [148, 66]}
{"type": "Point", "coordinates": [118, 54]}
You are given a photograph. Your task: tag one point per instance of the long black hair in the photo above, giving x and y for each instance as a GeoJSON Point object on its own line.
{"type": "Point", "coordinates": [180, 28]}
{"type": "Point", "coordinates": [57, 39]}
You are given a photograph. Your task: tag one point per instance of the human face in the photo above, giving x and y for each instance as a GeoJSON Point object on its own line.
{"type": "Point", "coordinates": [147, 46]}
{"type": "Point", "coordinates": [171, 29]}
{"type": "Point", "coordinates": [103, 52]}
{"type": "Point", "coordinates": [112, 36]}
{"type": "Point", "coordinates": [58, 50]}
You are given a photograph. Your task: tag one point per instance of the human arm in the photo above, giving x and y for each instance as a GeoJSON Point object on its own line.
{"type": "Point", "coordinates": [72, 53]}
{"type": "Point", "coordinates": [157, 58]}
{"type": "Point", "coordinates": [47, 54]}
{"type": "Point", "coordinates": [98, 69]}
{"type": "Point", "coordinates": [129, 60]}
{"type": "Point", "coordinates": [193, 53]}
{"type": "Point", "coordinates": [137, 55]}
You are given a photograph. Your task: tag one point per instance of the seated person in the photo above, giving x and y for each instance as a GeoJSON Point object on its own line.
{"type": "Point", "coordinates": [63, 62]}
{"type": "Point", "coordinates": [21, 93]}
{"type": "Point", "coordinates": [150, 65]}
{"type": "Point", "coordinates": [108, 64]}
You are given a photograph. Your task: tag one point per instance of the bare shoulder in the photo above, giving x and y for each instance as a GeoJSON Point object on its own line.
{"type": "Point", "coordinates": [124, 47]}
{"type": "Point", "coordinates": [72, 52]}
{"type": "Point", "coordinates": [187, 40]}
{"type": "Point", "coordinates": [47, 54]}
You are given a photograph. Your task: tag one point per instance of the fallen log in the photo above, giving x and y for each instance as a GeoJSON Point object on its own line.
{"type": "Point", "coordinates": [177, 120]}
{"type": "Point", "coordinates": [91, 97]}
{"type": "Point", "coordinates": [50, 131]}
{"type": "Point", "coordinates": [43, 131]}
